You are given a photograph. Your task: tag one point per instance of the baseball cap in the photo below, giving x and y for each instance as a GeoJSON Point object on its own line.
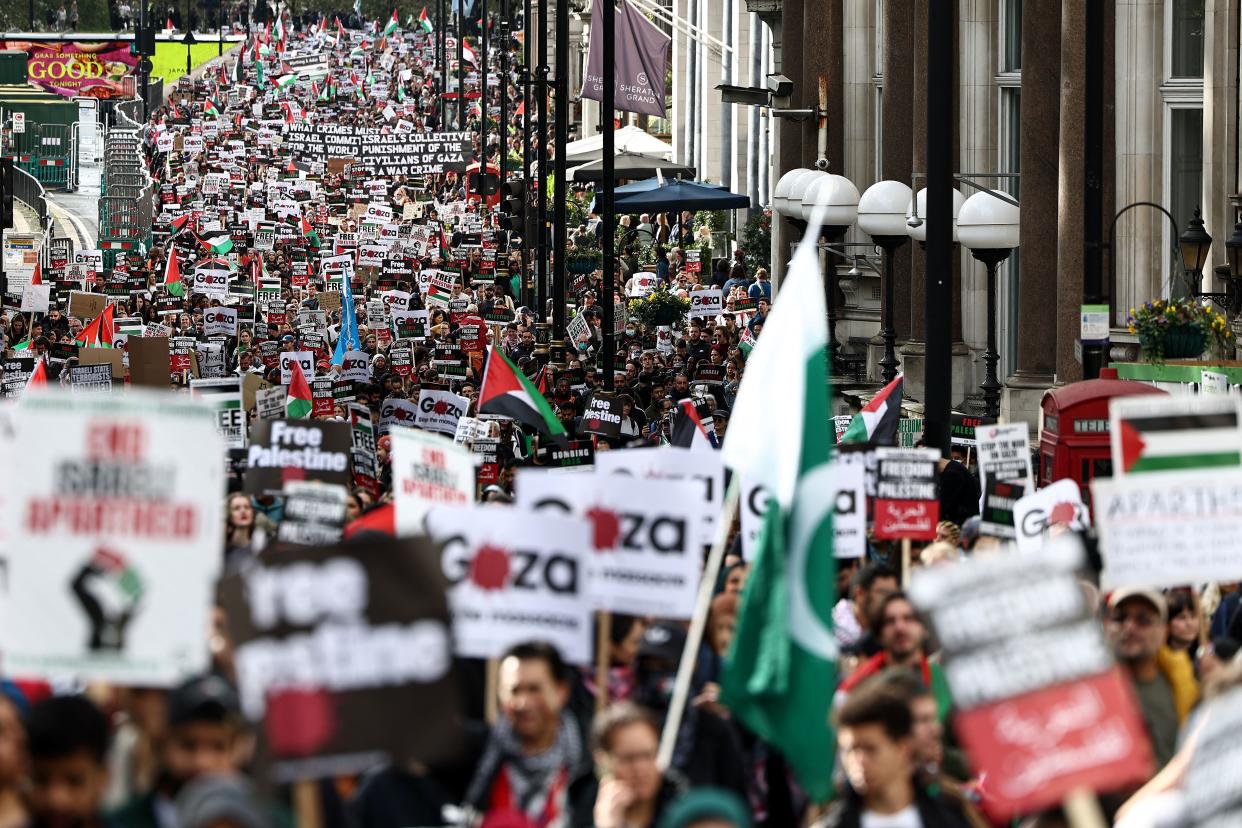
{"type": "Point", "coordinates": [287, 338]}
{"type": "Point", "coordinates": [663, 641]}
{"type": "Point", "coordinates": [721, 413]}
{"type": "Point", "coordinates": [1151, 596]}
{"type": "Point", "coordinates": [207, 697]}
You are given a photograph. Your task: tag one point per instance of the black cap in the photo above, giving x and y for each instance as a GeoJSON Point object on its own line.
{"type": "Point", "coordinates": [664, 641]}
{"type": "Point", "coordinates": [205, 698]}
{"type": "Point", "coordinates": [720, 412]}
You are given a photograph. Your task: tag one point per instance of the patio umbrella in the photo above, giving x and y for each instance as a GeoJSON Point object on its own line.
{"type": "Point", "coordinates": [679, 195]}
{"type": "Point", "coordinates": [631, 165]}
{"type": "Point", "coordinates": [625, 139]}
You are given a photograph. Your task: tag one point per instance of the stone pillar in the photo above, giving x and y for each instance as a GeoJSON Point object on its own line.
{"type": "Point", "coordinates": [1041, 105]}
{"type": "Point", "coordinates": [1071, 184]}
{"type": "Point", "coordinates": [822, 56]}
{"type": "Point", "coordinates": [788, 133]}
{"type": "Point", "coordinates": [913, 352]}
{"type": "Point", "coordinates": [1220, 112]}
{"type": "Point", "coordinates": [898, 141]}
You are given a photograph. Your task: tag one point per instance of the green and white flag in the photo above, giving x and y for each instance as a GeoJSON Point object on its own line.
{"type": "Point", "coordinates": [781, 668]}
{"type": "Point", "coordinates": [286, 81]}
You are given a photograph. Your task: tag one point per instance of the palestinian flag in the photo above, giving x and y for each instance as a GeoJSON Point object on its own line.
{"type": "Point", "coordinates": [172, 275]}
{"type": "Point", "coordinates": [424, 21]}
{"type": "Point", "coordinates": [24, 345]}
{"type": "Point", "coordinates": [36, 278]}
{"type": "Point", "coordinates": [308, 232]}
{"type": "Point", "coordinates": [298, 401]}
{"type": "Point", "coordinates": [467, 53]}
{"type": "Point", "coordinates": [688, 431]}
{"type": "Point", "coordinates": [218, 243]}
{"type": "Point", "coordinates": [507, 392]}
{"type": "Point", "coordinates": [38, 377]}
{"type": "Point", "coordinates": [340, 30]}
{"type": "Point", "coordinates": [295, 167]}
{"type": "Point", "coordinates": [1173, 434]}
{"type": "Point", "coordinates": [99, 333]}
{"type": "Point", "coordinates": [876, 424]}
{"type": "Point", "coordinates": [124, 578]}
{"type": "Point", "coordinates": [280, 29]}
{"type": "Point", "coordinates": [286, 81]}
{"type": "Point", "coordinates": [747, 343]}
{"type": "Point", "coordinates": [180, 223]}
{"type": "Point", "coordinates": [212, 108]}
{"type": "Point", "coordinates": [393, 24]}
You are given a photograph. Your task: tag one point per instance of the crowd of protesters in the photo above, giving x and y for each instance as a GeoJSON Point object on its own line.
{"type": "Point", "coordinates": [182, 758]}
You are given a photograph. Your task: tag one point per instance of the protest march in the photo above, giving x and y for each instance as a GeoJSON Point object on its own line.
{"type": "Point", "coordinates": [319, 513]}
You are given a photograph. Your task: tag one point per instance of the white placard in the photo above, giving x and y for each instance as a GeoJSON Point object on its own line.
{"type": "Point", "coordinates": [704, 467]}
{"type": "Point", "coordinates": [304, 358]}
{"type": "Point", "coordinates": [220, 322]}
{"type": "Point", "coordinates": [427, 471]}
{"type": "Point", "coordinates": [849, 517]}
{"type": "Point", "coordinates": [439, 411]}
{"type": "Point", "coordinates": [1035, 515]}
{"type": "Point", "coordinates": [706, 303]}
{"type": "Point", "coordinates": [356, 366]}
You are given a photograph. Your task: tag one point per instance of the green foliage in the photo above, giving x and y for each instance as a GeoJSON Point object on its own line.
{"type": "Point", "coordinates": [660, 307]}
{"type": "Point", "coordinates": [1160, 318]}
{"type": "Point", "coordinates": [757, 240]}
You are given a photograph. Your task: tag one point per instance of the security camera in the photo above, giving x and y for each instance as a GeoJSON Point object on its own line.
{"type": "Point", "coordinates": [821, 164]}
{"type": "Point", "coordinates": [781, 86]}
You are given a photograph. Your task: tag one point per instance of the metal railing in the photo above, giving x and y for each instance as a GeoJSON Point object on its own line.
{"type": "Point", "coordinates": [29, 190]}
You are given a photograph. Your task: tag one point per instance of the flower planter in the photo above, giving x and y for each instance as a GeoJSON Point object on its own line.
{"type": "Point", "coordinates": [1180, 342]}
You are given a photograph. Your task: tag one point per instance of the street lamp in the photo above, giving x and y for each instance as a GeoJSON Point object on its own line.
{"type": "Point", "coordinates": [780, 195]}
{"type": "Point", "coordinates": [189, 41]}
{"type": "Point", "coordinates": [989, 227]}
{"type": "Point", "coordinates": [796, 210]}
{"type": "Point", "coordinates": [882, 216]}
{"type": "Point", "coordinates": [838, 197]}
{"type": "Point", "coordinates": [916, 215]}
{"type": "Point", "coordinates": [1194, 244]}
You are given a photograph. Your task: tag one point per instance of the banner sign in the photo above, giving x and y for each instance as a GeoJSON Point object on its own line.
{"type": "Point", "coordinates": [379, 153]}
{"type": "Point", "coordinates": [334, 644]}
{"type": "Point", "coordinates": [284, 450]}
{"type": "Point", "coordinates": [90, 69]}
{"type": "Point", "coordinates": [602, 416]}
{"type": "Point", "coordinates": [907, 500]}
{"type": "Point", "coordinates": [1033, 679]}
{"type": "Point", "coordinates": [515, 576]}
{"type": "Point", "coordinates": [439, 411]}
{"type": "Point", "coordinates": [1047, 511]}
{"type": "Point", "coordinates": [113, 550]}
{"type": "Point", "coordinates": [224, 395]}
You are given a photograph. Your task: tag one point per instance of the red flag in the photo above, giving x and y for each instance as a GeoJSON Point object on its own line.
{"type": "Point", "coordinates": [38, 377]}
{"type": "Point", "coordinates": [37, 277]}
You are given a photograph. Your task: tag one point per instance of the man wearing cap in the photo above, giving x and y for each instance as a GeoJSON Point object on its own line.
{"type": "Point", "coordinates": [720, 424]}
{"type": "Point", "coordinates": [1163, 679]}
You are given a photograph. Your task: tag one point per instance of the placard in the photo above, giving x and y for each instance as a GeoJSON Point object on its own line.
{"type": "Point", "coordinates": [427, 471]}
{"type": "Point", "coordinates": [1004, 453]}
{"type": "Point", "coordinates": [283, 450]}
{"type": "Point", "coordinates": [706, 303]}
{"type": "Point", "coordinates": [907, 498]}
{"type": "Point", "coordinates": [1054, 508]}
{"type": "Point", "coordinates": [703, 467]}
{"type": "Point", "coordinates": [439, 411]}
{"type": "Point", "coordinates": [112, 550]}
{"type": "Point", "coordinates": [224, 395]}
{"type": "Point", "coordinates": [847, 489]}
{"type": "Point", "coordinates": [306, 359]}
{"type": "Point", "coordinates": [220, 322]}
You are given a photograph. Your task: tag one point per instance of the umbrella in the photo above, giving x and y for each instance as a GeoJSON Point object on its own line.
{"type": "Point", "coordinates": [680, 195]}
{"type": "Point", "coordinates": [625, 139]}
{"type": "Point", "coordinates": [631, 165]}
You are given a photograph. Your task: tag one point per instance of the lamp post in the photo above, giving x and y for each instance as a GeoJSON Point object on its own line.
{"type": "Point", "coordinates": [989, 227]}
{"type": "Point", "coordinates": [189, 41]}
{"type": "Point", "coordinates": [882, 216]}
{"type": "Point", "coordinates": [1194, 244]}
{"type": "Point", "coordinates": [839, 198]}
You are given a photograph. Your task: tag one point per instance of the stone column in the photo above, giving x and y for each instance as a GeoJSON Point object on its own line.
{"type": "Point", "coordinates": [1041, 104]}
{"type": "Point", "coordinates": [788, 133]}
{"type": "Point", "coordinates": [898, 144]}
{"type": "Point", "coordinates": [912, 353]}
{"type": "Point", "coordinates": [1220, 112]}
{"type": "Point", "coordinates": [1071, 184]}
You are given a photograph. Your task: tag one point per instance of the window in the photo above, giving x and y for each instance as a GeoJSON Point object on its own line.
{"type": "Point", "coordinates": [1186, 38]}
{"type": "Point", "coordinates": [1011, 36]}
{"type": "Point", "coordinates": [1185, 179]}
{"type": "Point", "coordinates": [1010, 162]}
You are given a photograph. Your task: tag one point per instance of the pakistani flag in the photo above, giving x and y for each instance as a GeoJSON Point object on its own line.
{"type": "Point", "coordinates": [781, 667]}
{"type": "Point", "coordinates": [298, 401]}
{"type": "Point", "coordinates": [393, 24]}
{"type": "Point", "coordinates": [507, 392]}
{"type": "Point", "coordinates": [424, 21]}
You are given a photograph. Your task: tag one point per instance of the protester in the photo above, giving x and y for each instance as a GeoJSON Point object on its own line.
{"type": "Point", "coordinates": [13, 809]}
{"type": "Point", "coordinates": [870, 585]}
{"type": "Point", "coordinates": [67, 740]}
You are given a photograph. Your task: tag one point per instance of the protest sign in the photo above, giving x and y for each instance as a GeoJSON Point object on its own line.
{"type": "Point", "coordinates": [362, 449]}
{"type": "Point", "coordinates": [409, 324]}
{"type": "Point", "coordinates": [225, 398]}
{"type": "Point", "coordinates": [427, 471]}
{"type": "Point", "coordinates": [1169, 529]}
{"type": "Point", "coordinates": [304, 358]}
{"type": "Point", "coordinates": [395, 413]}
{"type": "Point", "coordinates": [36, 298]}
{"type": "Point", "coordinates": [334, 644]}
{"type": "Point", "coordinates": [515, 576]}
{"type": "Point", "coordinates": [907, 500]}
{"type": "Point", "coordinates": [86, 306]}
{"type": "Point", "coordinates": [1057, 507]}
{"type": "Point", "coordinates": [996, 517]}
{"type": "Point", "coordinates": [645, 555]}
{"type": "Point", "coordinates": [85, 379]}
{"type": "Point", "coordinates": [439, 411]}
{"type": "Point", "coordinates": [573, 454]}
{"type": "Point", "coordinates": [846, 487]}
{"type": "Point", "coordinates": [602, 416]}
{"type": "Point", "coordinates": [220, 321]}
{"type": "Point", "coordinates": [356, 366]}
{"type": "Point", "coordinates": [704, 467]}
{"type": "Point", "coordinates": [283, 450]}
{"type": "Point", "coordinates": [706, 303]}
{"type": "Point", "coordinates": [1041, 709]}
{"type": "Point", "coordinates": [113, 550]}
{"type": "Point", "coordinates": [270, 402]}
{"type": "Point", "coordinates": [148, 361]}
{"type": "Point", "coordinates": [1151, 433]}
{"type": "Point", "coordinates": [486, 452]}
{"type": "Point", "coordinates": [1004, 453]}
{"type": "Point", "coordinates": [314, 513]}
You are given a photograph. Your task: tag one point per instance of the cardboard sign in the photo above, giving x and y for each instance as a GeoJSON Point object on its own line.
{"type": "Point", "coordinates": [439, 411]}
{"type": "Point", "coordinates": [907, 501]}
{"type": "Point", "coordinates": [645, 554]}
{"type": "Point", "coordinates": [706, 303]}
{"type": "Point", "coordinates": [113, 550]}
{"type": "Point", "coordinates": [283, 450]}
{"type": "Point", "coordinates": [304, 358]}
{"type": "Point", "coordinates": [1169, 529]}
{"type": "Point", "coordinates": [326, 715]}
{"type": "Point", "coordinates": [220, 322]}
{"type": "Point", "coordinates": [602, 416]}
{"type": "Point", "coordinates": [225, 397]}
{"type": "Point", "coordinates": [86, 306]}
{"type": "Point", "coordinates": [1004, 453]}
{"type": "Point", "coordinates": [846, 488]}
{"type": "Point", "coordinates": [427, 471]}
{"type": "Point", "coordinates": [1042, 513]}
{"type": "Point", "coordinates": [269, 403]}
{"type": "Point", "coordinates": [1034, 733]}
{"type": "Point", "coordinates": [148, 361]}
{"type": "Point", "coordinates": [397, 413]}
{"type": "Point", "coordinates": [515, 576]}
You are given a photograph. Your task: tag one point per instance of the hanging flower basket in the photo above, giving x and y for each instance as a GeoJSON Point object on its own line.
{"type": "Point", "coordinates": [1178, 329]}
{"type": "Point", "coordinates": [1180, 342]}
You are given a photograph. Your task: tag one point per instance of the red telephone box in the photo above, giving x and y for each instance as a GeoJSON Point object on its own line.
{"type": "Point", "coordinates": [1074, 439]}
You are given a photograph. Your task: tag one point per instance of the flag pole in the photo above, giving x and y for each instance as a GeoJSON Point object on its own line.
{"type": "Point", "coordinates": [603, 655]}
{"type": "Point", "coordinates": [707, 586]}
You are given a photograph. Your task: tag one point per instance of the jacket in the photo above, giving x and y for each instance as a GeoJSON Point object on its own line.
{"type": "Point", "coordinates": [935, 811]}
